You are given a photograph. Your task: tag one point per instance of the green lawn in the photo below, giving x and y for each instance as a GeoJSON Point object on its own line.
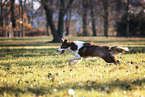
{"type": "Point", "coordinates": [31, 67]}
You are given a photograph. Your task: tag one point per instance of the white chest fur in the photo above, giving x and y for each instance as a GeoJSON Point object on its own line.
{"type": "Point", "coordinates": [79, 44]}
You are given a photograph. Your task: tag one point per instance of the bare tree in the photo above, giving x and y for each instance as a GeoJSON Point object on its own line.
{"type": "Point", "coordinates": [84, 16]}
{"type": "Point", "coordinates": [93, 17]}
{"type": "Point", "coordinates": [21, 16]}
{"type": "Point", "coordinates": [67, 21]}
{"type": "Point", "coordinates": [13, 19]}
{"type": "Point", "coordinates": [63, 8]}
{"type": "Point", "coordinates": [127, 18]}
{"type": "Point", "coordinates": [105, 5]}
{"type": "Point", "coordinates": [49, 18]}
{"type": "Point", "coordinates": [61, 16]}
{"type": "Point", "coordinates": [1, 16]}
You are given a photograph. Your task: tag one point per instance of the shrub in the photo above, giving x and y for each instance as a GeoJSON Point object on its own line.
{"type": "Point", "coordinates": [35, 32]}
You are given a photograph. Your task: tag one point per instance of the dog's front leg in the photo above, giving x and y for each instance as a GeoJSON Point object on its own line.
{"type": "Point", "coordinates": [75, 58]}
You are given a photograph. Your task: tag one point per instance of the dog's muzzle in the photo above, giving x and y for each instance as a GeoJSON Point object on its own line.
{"type": "Point", "coordinates": [61, 50]}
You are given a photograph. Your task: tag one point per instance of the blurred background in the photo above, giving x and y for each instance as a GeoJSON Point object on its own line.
{"type": "Point", "coordinates": [58, 18]}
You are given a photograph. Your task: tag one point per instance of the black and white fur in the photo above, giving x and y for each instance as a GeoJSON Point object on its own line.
{"type": "Point", "coordinates": [83, 50]}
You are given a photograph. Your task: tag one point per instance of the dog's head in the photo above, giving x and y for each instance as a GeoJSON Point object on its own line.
{"type": "Point", "coordinates": [67, 45]}
{"type": "Point", "coordinates": [64, 46]}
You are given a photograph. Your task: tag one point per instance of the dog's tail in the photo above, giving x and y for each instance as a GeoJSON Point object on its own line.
{"type": "Point", "coordinates": [119, 50]}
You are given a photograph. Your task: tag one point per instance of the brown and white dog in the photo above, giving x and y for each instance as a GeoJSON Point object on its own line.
{"type": "Point", "coordinates": [83, 50]}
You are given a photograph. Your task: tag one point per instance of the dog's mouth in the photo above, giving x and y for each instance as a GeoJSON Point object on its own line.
{"type": "Point", "coordinates": [62, 52]}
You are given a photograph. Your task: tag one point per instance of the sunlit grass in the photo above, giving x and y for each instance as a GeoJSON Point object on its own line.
{"type": "Point", "coordinates": [33, 67]}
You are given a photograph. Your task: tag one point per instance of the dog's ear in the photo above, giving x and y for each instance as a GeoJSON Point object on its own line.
{"type": "Point", "coordinates": [62, 40]}
{"type": "Point", "coordinates": [65, 41]}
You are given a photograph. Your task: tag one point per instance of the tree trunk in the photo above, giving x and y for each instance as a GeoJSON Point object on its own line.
{"type": "Point", "coordinates": [21, 21]}
{"type": "Point", "coordinates": [1, 22]}
{"type": "Point", "coordinates": [48, 11]}
{"type": "Point", "coordinates": [61, 21]}
{"type": "Point", "coordinates": [62, 11]}
{"type": "Point", "coordinates": [93, 19]}
{"type": "Point", "coordinates": [20, 33]}
{"type": "Point", "coordinates": [57, 35]}
{"type": "Point", "coordinates": [85, 6]}
{"type": "Point", "coordinates": [12, 19]}
{"type": "Point", "coordinates": [60, 24]}
{"type": "Point", "coordinates": [32, 17]}
{"type": "Point", "coordinates": [47, 26]}
{"type": "Point", "coordinates": [127, 19]}
{"type": "Point", "coordinates": [105, 4]}
{"type": "Point", "coordinates": [67, 22]}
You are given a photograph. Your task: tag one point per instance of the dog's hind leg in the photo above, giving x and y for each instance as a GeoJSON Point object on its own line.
{"type": "Point", "coordinates": [114, 59]}
{"type": "Point", "coordinates": [75, 62]}
{"type": "Point", "coordinates": [111, 58]}
{"type": "Point", "coordinates": [117, 62]}
{"type": "Point", "coordinates": [78, 61]}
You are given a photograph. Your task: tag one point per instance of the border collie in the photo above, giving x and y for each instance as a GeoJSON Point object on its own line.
{"type": "Point", "coordinates": [83, 50]}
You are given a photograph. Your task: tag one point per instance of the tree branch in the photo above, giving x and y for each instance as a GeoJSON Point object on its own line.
{"type": "Point", "coordinates": [69, 5]}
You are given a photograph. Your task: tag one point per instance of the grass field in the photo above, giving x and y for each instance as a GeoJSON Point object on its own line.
{"type": "Point", "coordinates": [32, 67]}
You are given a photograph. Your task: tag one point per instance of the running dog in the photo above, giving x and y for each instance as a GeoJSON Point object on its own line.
{"type": "Point", "coordinates": [83, 50]}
